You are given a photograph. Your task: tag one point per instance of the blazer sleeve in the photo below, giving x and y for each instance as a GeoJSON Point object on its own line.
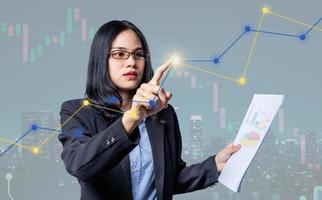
{"type": "Point", "coordinates": [194, 177]}
{"type": "Point", "coordinates": [86, 154]}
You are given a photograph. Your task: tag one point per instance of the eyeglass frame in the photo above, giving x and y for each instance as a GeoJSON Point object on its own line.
{"type": "Point", "coordinates": [129, 54]}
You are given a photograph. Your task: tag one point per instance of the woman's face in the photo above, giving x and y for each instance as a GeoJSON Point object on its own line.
{"type": "Point", "coordinates": [126, 72]}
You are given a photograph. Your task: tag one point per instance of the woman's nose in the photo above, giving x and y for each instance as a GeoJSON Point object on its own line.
{"type": "Point", "coordinates": [130, 62]}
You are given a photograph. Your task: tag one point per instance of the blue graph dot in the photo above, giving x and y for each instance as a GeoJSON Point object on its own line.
{"type": "Point", "coordinates": [215, 60]}
{"type": "Point", "coordinates": [302, 37]}
{"type": "Point", "coordinates": [111, 100]}
{"type": "Point", "coordinates": [247, 28]}
{"type": "Point", "coordinates": [152, 103]}
{"type": "Point", "coordinates": [34, 127]}
{"type": "Point", "coordinates": [78, 132]}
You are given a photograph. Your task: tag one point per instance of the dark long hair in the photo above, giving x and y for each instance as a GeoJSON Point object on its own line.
{"type": "Point", "coordinates": [99, 87]}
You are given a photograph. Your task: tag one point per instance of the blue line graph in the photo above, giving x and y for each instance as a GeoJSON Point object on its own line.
{"type": "Point", "coordinates": [34, 127]}
{"type": "Point", "coordinates": [14, 143]}
{"type": "Point", "coordinates": [275, 33]}
{"type": "Point", "coordinates": [247, 29]}
{"type": "Point", "coordinates": [316, 23]}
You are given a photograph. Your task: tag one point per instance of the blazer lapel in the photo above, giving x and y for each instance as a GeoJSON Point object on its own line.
{"type": "Point", "coordinates": [156, 136]}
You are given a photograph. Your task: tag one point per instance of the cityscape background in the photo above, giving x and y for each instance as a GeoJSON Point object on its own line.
{"type": "Point", "coordinates": [44, 49]}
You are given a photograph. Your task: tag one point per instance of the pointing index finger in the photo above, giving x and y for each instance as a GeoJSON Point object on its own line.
{"type": "Point", "coordinates": [159, 72]}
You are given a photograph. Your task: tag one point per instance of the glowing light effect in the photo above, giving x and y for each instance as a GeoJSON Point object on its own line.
{"type": "Point", "coordinates": [176, 59]}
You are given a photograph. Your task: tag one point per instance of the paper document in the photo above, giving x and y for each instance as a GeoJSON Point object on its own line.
{"type": "Point", "coordinates": [255, 125]}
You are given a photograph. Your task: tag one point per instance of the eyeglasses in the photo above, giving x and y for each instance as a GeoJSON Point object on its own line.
{"type": "Point", "coordinates": [123, 54]}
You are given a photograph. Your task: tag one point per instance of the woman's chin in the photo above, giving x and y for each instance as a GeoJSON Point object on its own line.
{"type": "Point", "coordinates": [129, 87]}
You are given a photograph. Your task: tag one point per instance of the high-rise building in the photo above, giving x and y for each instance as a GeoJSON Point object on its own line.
{"type": "Point", "coordinates": [193, 82]}
{"type": "Point", "coordinates": [308, 148]}
{"type": "Point", "coordinates": [281, 120]}
{"type": "Point", "coordinates": [295, 132]}
{"type": "Point", "coordinates": [196, 137]}
{"type": "Point", "coordinates": [319, 153]}
{"type": "Point", "coordinates": [222, 118]}
{"type": "Point", "coordinates": [215, 96]}
{"type": "Point", "coordinates": [291, 153]}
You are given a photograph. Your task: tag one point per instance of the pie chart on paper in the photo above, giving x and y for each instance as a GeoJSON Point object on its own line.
{"type": "Point", "coordinates": [250, 139]}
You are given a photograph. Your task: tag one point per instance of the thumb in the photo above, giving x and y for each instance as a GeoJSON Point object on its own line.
{"type": "Point", "coordinates": [235, 148]}
{"type": "Point", "coordinates": [168, 94]}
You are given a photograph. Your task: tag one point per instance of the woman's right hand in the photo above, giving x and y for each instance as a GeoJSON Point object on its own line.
{"type": "Point", "coordinates": [148, 100]}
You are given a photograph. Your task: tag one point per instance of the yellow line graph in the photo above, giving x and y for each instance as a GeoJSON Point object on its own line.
{"type": "Point", "coordinates": [62, 125]}
{"type": "Point", "coordinates": [251, 52]}
{"type": "Point", "coordinates": [16, 144]}
{"type": "Point", "coordinates": [210, 72]}
{"type": "Point", "coordinates": [294, 20]}
{"type": "Point", "coordinates": [98, 106]}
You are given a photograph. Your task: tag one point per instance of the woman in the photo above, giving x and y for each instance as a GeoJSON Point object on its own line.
{"type": "Point", "coordinates": [126, 143]}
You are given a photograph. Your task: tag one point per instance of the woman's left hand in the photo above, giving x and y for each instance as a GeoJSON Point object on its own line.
{"type": "Point", "coordinates": [224, 154]}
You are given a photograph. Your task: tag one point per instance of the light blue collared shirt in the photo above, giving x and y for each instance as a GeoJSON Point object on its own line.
{"type": "Point", "coordinates": [142, 168]}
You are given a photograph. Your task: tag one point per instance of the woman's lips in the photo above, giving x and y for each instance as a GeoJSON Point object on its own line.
{"type": "Point", "coordinates": [130, 75]}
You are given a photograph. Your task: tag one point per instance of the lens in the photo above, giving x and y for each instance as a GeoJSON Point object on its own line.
{"type": "Point", "coordinates": [140, 54]}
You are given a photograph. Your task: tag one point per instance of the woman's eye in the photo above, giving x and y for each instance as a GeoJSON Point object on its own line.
{"type": "Point", "coordinates": [139, 54]}
{"type": "Point", "coordinates": [120, 54]}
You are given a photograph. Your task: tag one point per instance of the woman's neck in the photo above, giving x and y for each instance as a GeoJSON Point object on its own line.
{"type": "Point", "coordinates": [126, 100]}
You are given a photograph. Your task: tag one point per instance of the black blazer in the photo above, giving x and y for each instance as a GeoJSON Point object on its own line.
{"type": "Point", "coordinates": [96, 148]}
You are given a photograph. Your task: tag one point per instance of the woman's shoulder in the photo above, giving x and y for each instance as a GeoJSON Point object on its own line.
{"type": "Point", "coordinates": [77, 106]}
{"type": "Point", "coordinates": [170, 108]}
{"type": "Point", "coordinates": [73, 104]}
{"type": "Point", "coordinates": [84, 108]}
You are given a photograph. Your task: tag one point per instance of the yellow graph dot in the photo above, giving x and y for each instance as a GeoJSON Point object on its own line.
{"type": "Point", "coordinates": [86, 102]}
{"type": "Point", "coordinates": [133, 115]}
{"type": "Point", "coordinates": [35, 150]}
{"type": "Point", "coordinates": [242, 81]}
{"type": "Point", "coordinates": [265, 10]}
